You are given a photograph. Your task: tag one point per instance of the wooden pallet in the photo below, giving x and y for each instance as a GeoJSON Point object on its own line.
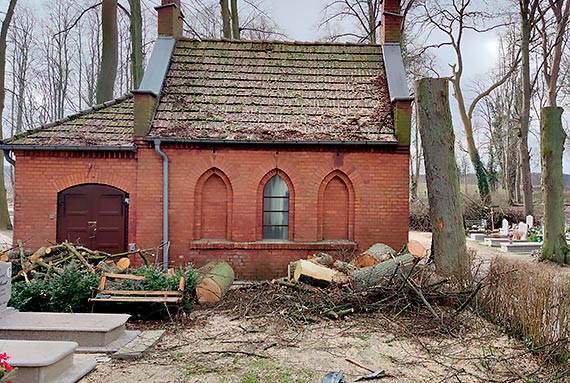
{"type": "Point", "coordinates": [136, 296]}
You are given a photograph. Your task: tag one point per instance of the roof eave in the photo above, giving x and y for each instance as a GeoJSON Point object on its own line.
{"type": "Point", "coordinates": [271, 142]}
{"type": "Point", "coordinates": [12, 147]}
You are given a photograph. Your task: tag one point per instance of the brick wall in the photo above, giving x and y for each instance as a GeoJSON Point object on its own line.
{"type": "Point", "coordinates": [366, 190]}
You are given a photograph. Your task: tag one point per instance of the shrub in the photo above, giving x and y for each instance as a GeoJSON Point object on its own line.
{"type": "Point", "coordinates": [537, 312]}
{"type": "Point", "coordinates": [157, 280]}
{"type": "Point", "coordinates": [67, 291]}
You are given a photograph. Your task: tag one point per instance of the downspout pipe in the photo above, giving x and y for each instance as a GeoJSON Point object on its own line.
{"type": "Point", "coordinates": [165, 239]}
{"type": "Point", "coordinates": [10, 160]}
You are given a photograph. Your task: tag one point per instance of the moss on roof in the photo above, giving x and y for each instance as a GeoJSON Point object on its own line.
{"type": "Point", "coordinates": [244, 90]}
{"type": "Point", "coordinates": [105, 125]}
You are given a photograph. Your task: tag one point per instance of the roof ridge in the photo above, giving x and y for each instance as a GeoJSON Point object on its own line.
{"type": "Point", "coordinates": [75, 115]}
{"type": "Point", "coordinates": [283, 42]}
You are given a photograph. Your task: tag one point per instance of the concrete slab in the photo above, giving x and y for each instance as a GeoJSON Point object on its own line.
{"type": "Point", "coordinates": [477, 237]}
{"type": "Point", "coordinates": [139, 345]}
{"type": "Point", "coordinates": [521, 248]}
{"type": "Point", "coordinates": [114, 346]}
{"type": "Point", "coordinates": [46, 361]}
{"type": "Point", "coordinates": [88, 330]}
{"type": "Point", "coordinates": [498, 242]}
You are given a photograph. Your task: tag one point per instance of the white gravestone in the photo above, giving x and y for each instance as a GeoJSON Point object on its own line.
{"type": "Point", "coordinates": [529, 221]}
{"type": "Point", "coordinates": [523, 230]}
{"type": "Point", "coordinates": [5, 284]}
{"type": "Point", "coordinates": [504, 228]}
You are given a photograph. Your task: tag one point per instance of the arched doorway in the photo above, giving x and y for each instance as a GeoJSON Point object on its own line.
{"type": "Point", "coordinates": [94, 216]}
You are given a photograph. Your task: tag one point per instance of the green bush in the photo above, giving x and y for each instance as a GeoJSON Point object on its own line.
{"type": "Point", "coordinates": [68, 291]}
{"type": "Point", "coordinates": [157, 280]}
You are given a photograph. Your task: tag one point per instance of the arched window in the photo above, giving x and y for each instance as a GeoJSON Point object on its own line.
{"type": "Point", "coordinates": [276, 209]}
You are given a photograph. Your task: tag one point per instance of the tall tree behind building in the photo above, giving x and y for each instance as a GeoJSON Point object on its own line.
{"type": "Point", "coordinates": [5, 222]}
{"type": "Point", "coordinates": [110, 53]}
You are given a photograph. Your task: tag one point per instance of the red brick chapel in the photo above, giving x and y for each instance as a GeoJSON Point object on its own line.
{"type": "Point", "coordinates": [252, 152]}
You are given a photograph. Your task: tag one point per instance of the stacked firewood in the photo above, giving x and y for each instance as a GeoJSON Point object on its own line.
{"type": "Point", "coordinates": [49, 259]}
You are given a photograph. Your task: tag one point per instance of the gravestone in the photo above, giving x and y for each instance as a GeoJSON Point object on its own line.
{"type": "Point", "coordinates": [529, 221]}
{"type": "Point", "coordinates": [523, 230]}
{"type": "Point", "coordinates": [504, 228]}
{"type": "Point", "coordinates": [5, 285]}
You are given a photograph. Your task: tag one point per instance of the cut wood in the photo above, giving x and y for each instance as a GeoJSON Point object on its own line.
{"type": "Point", "coordinates": [291, 270]}
{"type": "Point", "coordinates": [417, 249]}
{"type": "Point", "coordinates": [123, 263]}
{"type": "Point", "coordinates": [322, 259]}
{"type": "Point", "coordinates": [382, 272]}
{"type": "Point", "coordinates": [344, 267]}
{"type": "Point", "coordinates": [308, 269]}
{"type": "Point", "coordinates": [215, 280]}
{"type": "Point", "coordinates": [375, 254]}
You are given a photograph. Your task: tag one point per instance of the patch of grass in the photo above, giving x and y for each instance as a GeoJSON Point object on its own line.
{"type": "Point", "coordinates": [266, 371]}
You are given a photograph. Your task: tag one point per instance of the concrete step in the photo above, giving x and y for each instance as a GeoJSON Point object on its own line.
{"type": "Point", "coordinates": [93, 332]}
{"type": "Point", "coordinates": [46, 361]}
{"type": "Point", "coordinates": [498, 242]}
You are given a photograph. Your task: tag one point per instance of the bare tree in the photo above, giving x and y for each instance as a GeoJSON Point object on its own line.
{"type": "Point", "coordinates": [137, 54]}
{"type": "Point", "coordinates": [5, 222]}
{"type": "Point", "coordinates": [109, 56]}
{"type": "Point", "coordinates": [453, 20]}
{"type": "Point", "coordinates": [226, 19]}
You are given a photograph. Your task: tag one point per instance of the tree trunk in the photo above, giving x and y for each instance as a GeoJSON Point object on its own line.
{"type": "Point", "coordinates": [525, 112]}
{"type": "Point", "coordinates": [215, 281]}
{"type": "Point", "coordinates": [552, 137]}
{"type": "Point", "coordinates": [235, 20]}
{"type": "Point", "coordinates": [136, 42]}
{"type": "Point", "coordinates": [438, 142]}
{"type": "Point", "coordinates": [380, 273]}
{"type": "Point", "coordinates": [5, 222]}
{"type": "Point", "coordinates": [110, 54]}
{"type": "Point", "coordinates": [226, 25]}
{"type": "Point", "coordinates": [480, 173]}
{"type": "Point", "coordinates": [313, 271]}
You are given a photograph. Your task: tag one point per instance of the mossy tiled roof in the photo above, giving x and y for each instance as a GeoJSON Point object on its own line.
{"type": "Point", "coordinates": [106, 125]}
{"type": "Point", "coordinates": [238, 90]}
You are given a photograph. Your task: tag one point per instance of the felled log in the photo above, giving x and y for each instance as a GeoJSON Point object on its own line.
{"type": "Point", "coordinates": [375, 254]}
{"type": "Point", "coordinates": [344, 267]}
{"type": "Point", "coordinates": [322, 259]}
{"type": "Point", "coordinates": [291, 270]}
{"type": "Point", "coordinates": [215, 279]}
{"type": "Point", "coordinates": [123, 264]}
{"type": "Point", "coordinates": [308, 269]}
{"type": "Point", "coordinates": [378, 274]}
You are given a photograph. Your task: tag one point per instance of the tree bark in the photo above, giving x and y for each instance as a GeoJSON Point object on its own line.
{"type": "Point", "coordinates": [525, 112]}
{"type": "Point", "coordinates": [110, 54]}
{"type": "Point", "coordinates": [5, 222]}
{"type": "Point", "coordinates": [438, 142]}
{"type": "Point", "coordinates": [215, 281]}
{"type": "Point", "coordinates": [235, 20]}
{"type": "Point", "coordinates": [136, 43]}
{"type": "Point", "coordinates": [226, 25]}
{"type": "Point", "coordinates": [380, 273]}
{"type": "Point", "coordinates": [552, 137]}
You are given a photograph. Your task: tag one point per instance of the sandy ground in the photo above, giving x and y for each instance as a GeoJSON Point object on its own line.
{"type": "Point", "coordinates": [237, 344]}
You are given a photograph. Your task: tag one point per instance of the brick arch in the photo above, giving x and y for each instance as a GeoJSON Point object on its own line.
{"type": "Point", "coordinates": [200, 201]}
{"type": "Point", "coordinates": [92, 177]}
{"type": "Point", "coordinates": [260, 187]}
{"type": "Point", "coordinates": [339, 183]}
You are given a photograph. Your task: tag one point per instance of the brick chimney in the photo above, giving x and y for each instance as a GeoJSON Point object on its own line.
{"type": "Point", "coordinates": [170, 18]}
{"type": "Point", "coordinates": [390, 31]}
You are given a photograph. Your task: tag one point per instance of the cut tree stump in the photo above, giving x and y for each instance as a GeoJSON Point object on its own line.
{"type": "Point", "coordinates": [215, 281]}
{"type": "Point", "coordinates": [308, 269]}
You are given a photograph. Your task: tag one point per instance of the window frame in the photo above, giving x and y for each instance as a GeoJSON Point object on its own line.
{"type": "Point", "coordinates": [285, 212]}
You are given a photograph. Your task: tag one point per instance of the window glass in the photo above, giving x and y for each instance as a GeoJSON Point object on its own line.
{"type": "Point", "coordinates": [276, 209]}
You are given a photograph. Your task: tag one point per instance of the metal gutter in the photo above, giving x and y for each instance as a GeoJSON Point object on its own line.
{"type": "Point", "coordinates": [165, 239]}
{"type": "Point", "coordinates": [271, 142]}
{"type": "Point", "coordinates": [69, 148]}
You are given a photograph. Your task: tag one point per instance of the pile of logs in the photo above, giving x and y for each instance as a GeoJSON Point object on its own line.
{"type": "Point", "coordinates": [372, 268]}
{"type": "Point", "coordinates": [46, 260]}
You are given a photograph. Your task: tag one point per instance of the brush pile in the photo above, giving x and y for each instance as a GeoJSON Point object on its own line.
{"type": "Point", "coordinates": [28, 264]}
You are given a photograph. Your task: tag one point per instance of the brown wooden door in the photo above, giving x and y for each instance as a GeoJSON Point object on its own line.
{"type": "Point", "coordinates": [94, 216]}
